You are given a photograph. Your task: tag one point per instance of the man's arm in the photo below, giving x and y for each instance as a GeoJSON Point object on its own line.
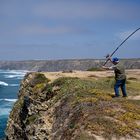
{"type": "Point", "coordinates": [109, 58]}
{"type": "Point", "coordinates": [108, 68]}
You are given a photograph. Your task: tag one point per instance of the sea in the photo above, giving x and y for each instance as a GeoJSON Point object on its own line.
{"type": "Point", "coordinates": [9, 85]}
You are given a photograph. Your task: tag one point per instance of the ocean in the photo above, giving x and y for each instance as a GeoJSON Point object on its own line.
{"type": "Point", "coordinates": [9, 86]}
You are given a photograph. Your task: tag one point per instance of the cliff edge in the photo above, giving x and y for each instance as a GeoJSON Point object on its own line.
{"type": "Point", "coordinates": [71, 108]}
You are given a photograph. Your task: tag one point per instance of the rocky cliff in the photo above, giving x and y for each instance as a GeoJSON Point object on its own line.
{"type": "Point", "coordinates": [60, 65]}
{"type": "Point", "coordinates": [71, 109]}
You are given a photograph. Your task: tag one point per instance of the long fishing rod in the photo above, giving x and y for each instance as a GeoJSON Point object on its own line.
{"type": "Point", "coordinates": [108, 56]}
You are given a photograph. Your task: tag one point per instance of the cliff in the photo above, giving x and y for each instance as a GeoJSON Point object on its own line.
{"type": "Point", "coordinates": [71, 108]}
{"type": "Point", "coordinates": [59, 65]}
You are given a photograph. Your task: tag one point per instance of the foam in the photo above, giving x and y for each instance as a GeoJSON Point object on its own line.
{"type": "Point", "coordinates": [4, 111]}
{"type": "Point", "coordinates": [3, 83]}
{"type": "Point", "coordinates": [14, 76]}
{"type": "Point", "coordinates": [9, 100]}
{"type": "Point", "coordinates": [14, 71]}
{"type": "Point", "coordinates": [14, 85]}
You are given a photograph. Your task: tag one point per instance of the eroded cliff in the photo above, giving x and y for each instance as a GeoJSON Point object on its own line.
{"type": "Point", "coordinates": [71, 109]}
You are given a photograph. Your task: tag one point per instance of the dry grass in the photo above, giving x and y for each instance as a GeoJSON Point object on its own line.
{"type": "Point", "coordinates": [133, 79]}
{"type": "Point", "coordinates": [132, 74]}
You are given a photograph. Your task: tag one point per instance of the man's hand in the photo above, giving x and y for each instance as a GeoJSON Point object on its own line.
{"type": "Point", "coordinates": [109, 58]}
{"type": "Point", "coordinates": [104, 67]}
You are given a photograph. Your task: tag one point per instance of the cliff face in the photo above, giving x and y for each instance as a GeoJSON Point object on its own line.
{"type": "Point", "coordinates": [70, 109]}
{"type": "Point", "coordinates": [27, 120]}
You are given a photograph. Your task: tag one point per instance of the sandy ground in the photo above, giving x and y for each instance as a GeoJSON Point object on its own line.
{"type": "Point", "coordinates": [80, 74]}
{"type": "Point", "coordinates": [135, 73]}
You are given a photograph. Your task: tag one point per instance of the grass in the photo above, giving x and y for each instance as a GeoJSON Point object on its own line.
{"type": "Point", "coordinates": [105, 116]}
{"type": "Point", "coordinates": [95, 69]}
{"type": "Point", "coordinates": [133, 87]}
{"type": "Point", "coordinates": [31, 119]}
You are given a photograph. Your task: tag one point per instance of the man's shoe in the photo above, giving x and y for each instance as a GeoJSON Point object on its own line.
{"type": "Point", "coordinates": [114, 96]}
{"type": "Point", "coordinates": [125, 96]}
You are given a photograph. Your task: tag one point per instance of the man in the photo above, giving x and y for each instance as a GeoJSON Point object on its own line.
{"type": "Point", "coordinates": [120, 76]}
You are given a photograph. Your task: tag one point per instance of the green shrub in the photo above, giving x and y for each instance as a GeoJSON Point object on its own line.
{"type": "Point", "coordinates": [39, 78]}
{"type": "Point", "coordinates": [95, 69]}
{"type": "Point", "coordinates": [32, 119]}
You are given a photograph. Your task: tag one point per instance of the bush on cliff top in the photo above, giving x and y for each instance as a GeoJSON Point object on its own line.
{"type": "Point", "coordinates": [39, 78]}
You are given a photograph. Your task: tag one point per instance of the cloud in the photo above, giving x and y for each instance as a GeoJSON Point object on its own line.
{"type": "Point", "coordinates": [35, 19]}
{"type": "Point", "coordinates": [36, 29]}
{"type": "Point", "coordinates": [90, 9]}
{"type": "Point", "coordinates": [125, 34]}
{"type": "Point", "coordinates": [64, 16]}
{"type": "Point", "coordinates": [73, 9]}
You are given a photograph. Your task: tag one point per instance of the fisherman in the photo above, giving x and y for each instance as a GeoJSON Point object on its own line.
{"type": "Point", "coordinates": [120, 76]}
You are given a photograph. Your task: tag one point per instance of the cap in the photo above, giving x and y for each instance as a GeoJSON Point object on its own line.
{"type": "Point", "coordinates": [115, 59]}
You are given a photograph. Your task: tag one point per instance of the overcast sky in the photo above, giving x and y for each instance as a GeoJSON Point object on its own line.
{"type": "Point", "coordinates": [68, 29]}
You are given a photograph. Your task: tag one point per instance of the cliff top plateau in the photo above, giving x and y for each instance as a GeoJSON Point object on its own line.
{"type": "Point", "coordinates": [75, 105]}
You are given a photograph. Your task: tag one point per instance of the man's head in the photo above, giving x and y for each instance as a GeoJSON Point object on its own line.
{"type": "Point", "coordinates": [115, 60]}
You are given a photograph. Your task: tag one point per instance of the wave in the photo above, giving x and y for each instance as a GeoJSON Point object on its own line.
{"type": "Point", "coordinates": [18, 74]}
{"type": "Point", "coordinates": [3, 83]}
{"type": "Point", "coordinates": [8, 100]}
{"type": "Point", "coordinates": [6, 106]}
{"type": "Point", "coordinates": [4, 111]}
{"type": "Point", "coordinates": [14, 85]}
{"type": "Point", "coordinates": [15, 76]}
{"type": "Point", "coordinates": [14, 71]}
{"type": "Point", "coordinates": [6, 84]}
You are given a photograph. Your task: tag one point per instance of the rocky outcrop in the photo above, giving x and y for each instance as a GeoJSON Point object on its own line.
{"type": "Point", "coordinates": [26, 120]}
{"type": "Point", "coordinates": [60, 65]}
{"type": "Point", "coordinates": [70, 109]}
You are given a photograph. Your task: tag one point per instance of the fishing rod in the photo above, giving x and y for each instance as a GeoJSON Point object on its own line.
{"type": "Point", "coordinates": [108, 56]}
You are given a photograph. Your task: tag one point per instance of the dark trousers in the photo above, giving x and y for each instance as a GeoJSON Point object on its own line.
{"type": "Point", "coordinates": [121, 84]}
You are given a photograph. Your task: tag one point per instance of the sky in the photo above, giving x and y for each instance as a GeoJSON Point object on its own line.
{"type": "Point", "coordinates": [68, 29]}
